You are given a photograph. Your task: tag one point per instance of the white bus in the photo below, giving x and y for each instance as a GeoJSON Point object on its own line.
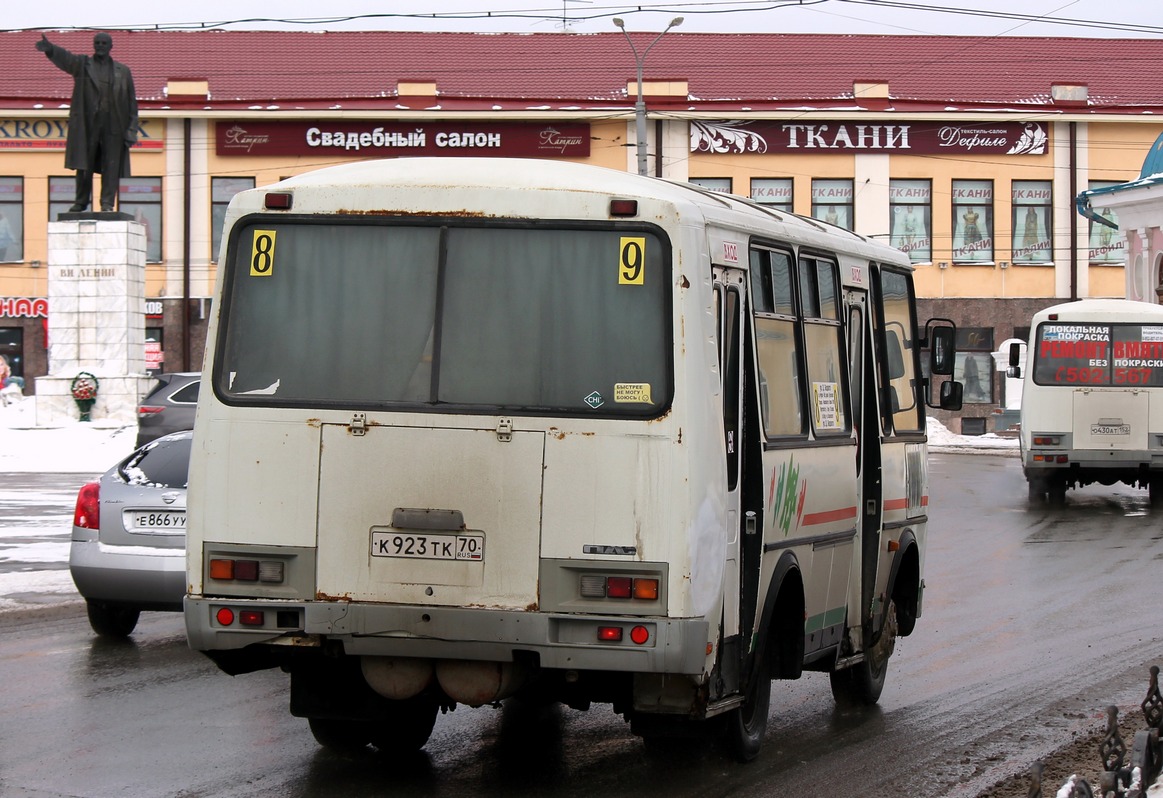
{"type": "Point", "coordinates": [480, 428]}
{"type": "Point", "coordinates": [1092, 397]}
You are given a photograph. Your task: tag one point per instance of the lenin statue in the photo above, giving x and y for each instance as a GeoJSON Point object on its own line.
{"type": "Point", "coordinates": [102, 118]}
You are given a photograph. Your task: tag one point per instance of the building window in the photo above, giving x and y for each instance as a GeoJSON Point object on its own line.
{"type": "Point", "coordinates": [775, 192]}
{"type": "Point", "coordinates": [141, 198]}
{"type": "Point", "coordinates": [154, 348]}
{"type": "Point", "coordinates": [1108, 246]}
{"type": "Point", "coordinates": [61, 193]}
{"type": "Point", "coordinates": [973, 221]}
{"type": "Point", "coordinates": [720, 185]}
{"type": "Point", "coordinates": [910, 209]}
{"type": "Point", "coordinates": [974, 367]}
{"type": "Point", "coordinates": [222, 190]}
{"type": "Point", "coordinates": [1032, 221]}
{"type": "Point", "coordinates": [832, 202]}
{"type": "Point", "coordinates": [11, 219]}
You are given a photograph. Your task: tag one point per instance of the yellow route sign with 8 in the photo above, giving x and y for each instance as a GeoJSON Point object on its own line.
{"type": "Point", "coordinates": [262, 253]}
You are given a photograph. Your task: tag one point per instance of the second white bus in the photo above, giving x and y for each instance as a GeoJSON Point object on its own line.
{"type": "Point", "coordinates": [1092, 397]}
{"type": "Point", "coordinates": [480, 428]}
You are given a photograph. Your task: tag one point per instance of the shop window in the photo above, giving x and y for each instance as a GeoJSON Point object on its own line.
{"type": "Point", "coordinates": [775, 192]}
{"type": "Point", "coordinates": [974, 366]}
{"type": "Point", "coordinates": [12, 349]}
{"type": "Point", "coordinates": [1032, 201]}
{"type": "Point", "coordinates": [720, 185]}
{"type": "Point", "coordinates": [972, 221]}
{"type": "Point", "coordinates": [222, 190]}
{"type": "Point", "coordinates": [11, 219]}
{"type": "Point", "coordinates": [910, 211]}
{"type": "Point", "coordinates": [832, 202]}
{"type": "Point", "coordinates": [154, 350]}
{"type": "Point", "coordinates": [141, 198]}
{"type": "Point", "coordinates": [1108, 246]}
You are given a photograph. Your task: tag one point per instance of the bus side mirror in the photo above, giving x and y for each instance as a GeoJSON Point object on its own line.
{"type": "Point", "coordinates": [942, 348]}
{"type": "Point", "coordinates": [1015, 366]}
{"type": "Point", "coordinates": [951, 392]}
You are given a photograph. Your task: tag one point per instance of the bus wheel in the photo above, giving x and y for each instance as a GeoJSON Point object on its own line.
{"type": "Point", "coordinates": [1155, 491]}
{"type": "Point", "coordinates": [1037, 491]}
{"type": "Point", "coordinates": [409, 727]}
{"type": "Point", "coordinates": [862, 683]}
{"type": "Point", "coordinates": [1057, 492]}
{"type": "Point", "coordinates": [747, 724]}
{"type": "Point", "coordinates": [341, 736]}
{"type": "Point", "coordinates": [109, 620]}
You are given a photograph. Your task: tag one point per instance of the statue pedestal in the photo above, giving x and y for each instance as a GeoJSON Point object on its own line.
{"type": "Point", "coordinates": [96, 317]}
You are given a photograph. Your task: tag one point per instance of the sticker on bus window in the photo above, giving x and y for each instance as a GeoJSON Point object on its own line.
{"type": "Point", "coordinates": [632, 260]}
{"type": "Point", "coordinates": [262, 253]}
{"type": "Point", "coordinates": [632, 393]}
{"type": "Point", "coordinates": [825, 396]}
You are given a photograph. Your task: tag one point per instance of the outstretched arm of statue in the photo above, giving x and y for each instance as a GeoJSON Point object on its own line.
{"type": "Point", "coordinates": [45, 46]}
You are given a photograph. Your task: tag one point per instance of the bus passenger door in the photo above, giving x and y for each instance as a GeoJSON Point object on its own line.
{"type": "Point", "coordinates": [866, 417]}
{"type": "Point", "coordinates": [729, 299]}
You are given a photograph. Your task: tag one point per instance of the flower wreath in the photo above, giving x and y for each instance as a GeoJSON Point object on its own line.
{"type": "Point", "coordinates": [84, 386]}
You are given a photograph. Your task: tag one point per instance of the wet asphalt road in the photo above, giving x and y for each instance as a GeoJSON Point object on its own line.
{"type": "Point", "coordinates": [1034, 620]}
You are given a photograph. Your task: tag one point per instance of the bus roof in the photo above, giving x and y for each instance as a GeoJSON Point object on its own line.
{"type": "Point", "coordinates": [1103, 310]}
{"type": "Point", "coordinates": [461, 176]}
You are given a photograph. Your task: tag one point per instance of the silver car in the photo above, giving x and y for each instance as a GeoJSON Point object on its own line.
{"type": "Point", "coordinates": [128, 550]}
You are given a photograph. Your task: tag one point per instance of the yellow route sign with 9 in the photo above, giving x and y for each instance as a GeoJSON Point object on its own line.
{"type": "Point", "coordinates": [632, 260]}
{"type": "Point", "coordinates": [262, 253]}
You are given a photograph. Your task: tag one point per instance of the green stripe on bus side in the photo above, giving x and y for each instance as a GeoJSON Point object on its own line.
{"type": "Point", "coordinates": [825, 619]}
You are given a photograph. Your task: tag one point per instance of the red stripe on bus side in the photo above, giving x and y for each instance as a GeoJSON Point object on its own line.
{"type": "Point", "coordinates": [902, 504]}
{"type": "Point", "coordinates": [828, 515]}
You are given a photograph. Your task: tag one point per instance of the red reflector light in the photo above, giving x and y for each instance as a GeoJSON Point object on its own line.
{"type": "Point", "coordinates": [1063, 458]}
{"type": "Point", "coordinates": [251, 617]}
{"type": "Point", "coordinates": [623, 207]}
{"type": "Point", "coordinates": [278, 201]}
{"type": "Point", "coordinates": [225, 616]}
{"type": "Point", "coordinates": [149, 410]}
{"type": "Point", "coordinates": [246, 570]}
{"type": "Point", "coordinates": [618, 586]}
{"type": "Point", "coordinates": [87, 513]}
{"type": "Point", "coordinates": [639, 634]}
{"type": "Point", "coordinates": [610, 633]}
{"type": "Point", "coordinates": [222, 569]}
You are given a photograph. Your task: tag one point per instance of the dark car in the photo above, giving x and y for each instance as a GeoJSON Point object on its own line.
{"type": "Point", "coordinates": [169, 406]}
{"type": "Point", "coordinates": [128, 550]}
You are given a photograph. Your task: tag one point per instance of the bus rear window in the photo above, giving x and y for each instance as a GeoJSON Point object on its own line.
{"type": "Point", "coordinates": [482, 318]}
{"type": "Point", "coordinates": [1098, 354]}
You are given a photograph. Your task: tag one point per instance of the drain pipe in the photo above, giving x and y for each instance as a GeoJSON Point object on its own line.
{"type": "Point", "coordinates": [1073, 221]}
{"type": "Point", "coordinates": [186, 129]}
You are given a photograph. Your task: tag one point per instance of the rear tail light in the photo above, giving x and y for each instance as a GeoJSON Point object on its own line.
{"type": "Point", "coordinates": [1047, 440]}
{"type": "Point", "coordinates": [618, 587]}
{"type": "Point", "coordinates": [87, 513]}
{"type": "Point", "coordinates": [231, 570]}
{"type": "Point", "coordinates": [148, 410]}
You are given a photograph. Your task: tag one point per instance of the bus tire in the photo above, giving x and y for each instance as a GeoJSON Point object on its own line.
{"type": "Point", "coordinates": [1037, 492]}
{"type": "Point", "coordinates": [341, 736]}
{"type": "Point", "coordinates": [110, 620]}
{"type": "Point", "coordinates": [1057, 492]}
{"type": "Point", "coordinates": [861, 685]}
{"type": "Point", "coordinates": [1155, 491]}
{"type": "Point", "coordinates": [409, 727]}
{"type": "Point", "coordinates": [747, 723]}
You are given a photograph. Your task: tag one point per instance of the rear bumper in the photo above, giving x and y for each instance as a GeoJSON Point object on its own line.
{"type": "Point", "coordinates": [676, 646]}
{"type": "Point", "coordinates": [141, 576]}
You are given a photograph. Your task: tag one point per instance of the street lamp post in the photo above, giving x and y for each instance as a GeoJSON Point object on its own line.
{"type": "Point", "coordinates": [640, 106]}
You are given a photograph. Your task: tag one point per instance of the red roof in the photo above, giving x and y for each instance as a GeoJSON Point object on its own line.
{"type": "Point", "coordinates": [556, 72]}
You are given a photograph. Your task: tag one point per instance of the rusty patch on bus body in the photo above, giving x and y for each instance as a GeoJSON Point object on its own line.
{"type": "Point", "coordinates": [321, 596]}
